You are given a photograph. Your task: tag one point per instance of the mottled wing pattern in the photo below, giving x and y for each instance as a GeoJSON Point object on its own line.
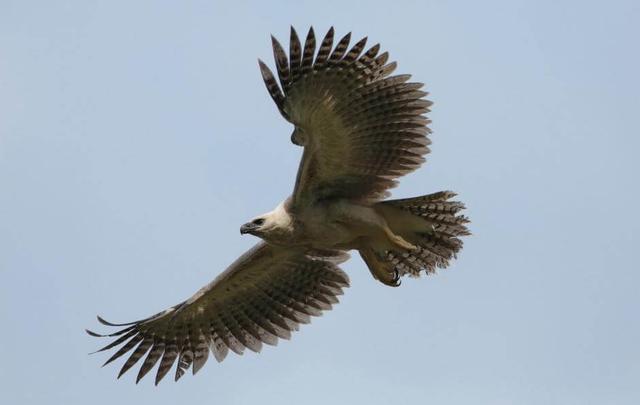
{"type": "Point", "coordinates": [360, 127]}
{"type": "Point", "coordinates": [261, 297]}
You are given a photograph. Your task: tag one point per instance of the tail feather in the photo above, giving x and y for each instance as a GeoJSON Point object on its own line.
{"type": "Point", "coordinates": [429, 222]}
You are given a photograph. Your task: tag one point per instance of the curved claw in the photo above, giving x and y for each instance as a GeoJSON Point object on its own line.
{"type": "Point", "coordinates": [395, 282]}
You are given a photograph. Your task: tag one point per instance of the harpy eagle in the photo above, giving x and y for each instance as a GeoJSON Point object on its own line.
{"type": "Point", "coordinates": [361, 129]}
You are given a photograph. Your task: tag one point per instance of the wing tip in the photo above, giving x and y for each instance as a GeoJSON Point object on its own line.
{"type": "Point", "coordinates": [107, 323]}
{"type": "Point", "coordinates": [92, 333]}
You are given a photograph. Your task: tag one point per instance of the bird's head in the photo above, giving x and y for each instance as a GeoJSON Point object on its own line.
{"type": "Point", "coordinates": [271, 226]}
{"type": "Point", "coordinates": [256, 226]}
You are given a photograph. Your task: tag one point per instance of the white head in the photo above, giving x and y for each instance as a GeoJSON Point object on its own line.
{"type": "Point", "coordinates": [273, 226]}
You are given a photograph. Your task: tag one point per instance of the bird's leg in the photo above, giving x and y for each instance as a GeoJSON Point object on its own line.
{"type": "Point", "coordinates": [397, 240]}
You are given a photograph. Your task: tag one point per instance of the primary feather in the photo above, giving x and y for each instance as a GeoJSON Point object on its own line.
{"type": "Point", "coordinates": [260, 298]}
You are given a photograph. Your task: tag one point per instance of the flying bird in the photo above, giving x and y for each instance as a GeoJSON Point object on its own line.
{"type": "Point", "coordinates": [360, 129]}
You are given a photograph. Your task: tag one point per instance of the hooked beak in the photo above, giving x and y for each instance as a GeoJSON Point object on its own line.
{"type": "Point", "coordinates": [249, 227]}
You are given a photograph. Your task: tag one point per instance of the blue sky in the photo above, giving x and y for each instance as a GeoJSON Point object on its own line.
{"type": "Point", "coordinates": [136, 137]}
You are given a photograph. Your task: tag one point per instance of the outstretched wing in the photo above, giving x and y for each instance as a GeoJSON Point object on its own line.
{"type": "Point", "coordinates": [360, 128]}
{"type": "Point", "coordinates": [262, 296]}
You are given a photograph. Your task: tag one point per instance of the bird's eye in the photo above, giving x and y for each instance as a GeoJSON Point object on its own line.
{"type": "Point", "coordinates": [258, 221]}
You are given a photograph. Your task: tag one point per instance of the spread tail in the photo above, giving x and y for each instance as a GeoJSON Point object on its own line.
{"type": "Point", "coordinates": [430, 224]}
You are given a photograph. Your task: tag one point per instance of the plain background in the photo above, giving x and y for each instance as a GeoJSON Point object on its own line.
{"type": "Point", "coordinates": [136, 137]}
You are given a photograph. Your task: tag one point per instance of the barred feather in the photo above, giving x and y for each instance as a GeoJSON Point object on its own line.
{"type": "Point", "coordinates": [124, 349]}
{"type": "Point", "coordinates": [168, 358]}
{"type": "Point", "coordinates": [137, 354]}
{"type": "Point", "coordinates": [309, 50]}
{"type": "Point", "coordinates": [272, 86]}
{"type": "Point", "coordinates": [366, 61]}
{"type": "Point", "coordinates": [184, 362]}
{"type": "Point", "coordinates": [295, 53]}
{"type": "Point", "coordinates": [151, 360]}
{"type": "Point", "coordinates": [345, 103]}
{"type": "Point", "coordinates": [263, 296]}
{"type": "Point", "coordinates": [353, 54]}
{"type": "Point", "coordinates": [437, 246]}
{"type": "Point", "coordinates": [340, 49]}
{"type": "Point", "coordinates": [325, 49]}
{"type": "Point", "coordinates": [282, 63]}
{"type": "Point", "coordinates": [217, 346]}
{"type": "Point", "coordinates": [201, 353]}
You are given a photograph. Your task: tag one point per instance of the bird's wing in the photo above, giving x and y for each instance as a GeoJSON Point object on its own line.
{"type": "Point", "coordinates": [360, 128]}
{"type": "Point", "coordinates": [264, 295]}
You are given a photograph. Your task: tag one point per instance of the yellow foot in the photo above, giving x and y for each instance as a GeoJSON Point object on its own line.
{"type": "Point", "coordinates": [398, 241]}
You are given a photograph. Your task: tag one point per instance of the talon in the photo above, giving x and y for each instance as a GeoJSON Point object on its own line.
{"type": "Point", "coordinates": [396, 279]}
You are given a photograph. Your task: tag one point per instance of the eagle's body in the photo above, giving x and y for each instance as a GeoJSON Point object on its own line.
{"type": "Point", "coordinates": [333, 225]}
{"type": "Point", "coordinates": [337, 225]}
{"type": "Point", "coordinates": [361, 129]}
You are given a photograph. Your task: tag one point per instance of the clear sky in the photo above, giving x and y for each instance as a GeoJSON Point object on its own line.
{"type": "Point", "coordinates": [136, 137]}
